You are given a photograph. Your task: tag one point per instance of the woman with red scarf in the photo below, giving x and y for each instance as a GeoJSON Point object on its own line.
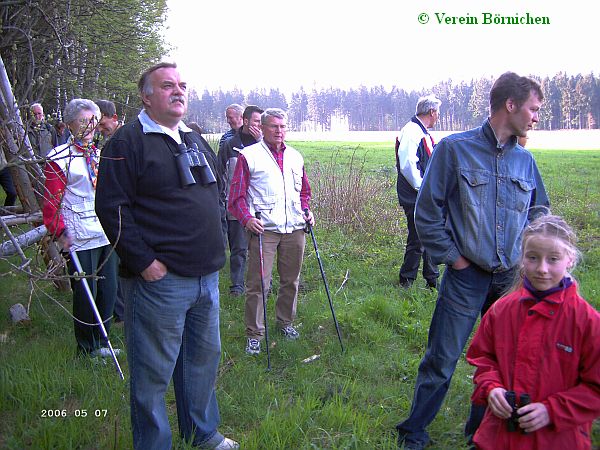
{"type": "Point", "coordinates": [69, 216]}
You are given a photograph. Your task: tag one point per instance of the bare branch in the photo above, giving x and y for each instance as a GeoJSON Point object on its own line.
{"type": "Point", "coordinates": [343, 282]}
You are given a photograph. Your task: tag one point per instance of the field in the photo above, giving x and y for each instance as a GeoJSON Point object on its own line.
{"type": "Point", "coordinates": [351, 400]}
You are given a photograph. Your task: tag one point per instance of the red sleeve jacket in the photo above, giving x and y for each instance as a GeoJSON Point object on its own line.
{"type": "Point", "coordinates": [549, 349]}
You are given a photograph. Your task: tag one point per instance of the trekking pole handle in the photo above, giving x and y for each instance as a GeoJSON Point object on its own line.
{"type": "Point", "coordinates": [255, 226]}
{"type": "Point", "coordinates": [308, 226]}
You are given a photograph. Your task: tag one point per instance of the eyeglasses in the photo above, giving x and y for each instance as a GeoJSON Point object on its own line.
{"type": "Point", "coordinates": [86, 125]}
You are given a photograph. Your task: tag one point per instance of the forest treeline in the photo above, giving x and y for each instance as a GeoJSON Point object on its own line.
{"type": "Point", "coordinates": [572, 102]}
{"type": "Point", "coordinates": [54, 51]}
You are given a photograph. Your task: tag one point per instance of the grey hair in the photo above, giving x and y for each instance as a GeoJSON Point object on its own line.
{"type": "Point", "coordinates": [36, 104]}
{"type": "Point", "coordinates": [272, 112]}
{"type": "Point", "coordinates": [144, 84]}
{"type": "Point", "coordinates": [236, 107]}
{"type": "Point", "coordinates": [427, 103]}
{"type": "Point", "coordinates": [76, 106]}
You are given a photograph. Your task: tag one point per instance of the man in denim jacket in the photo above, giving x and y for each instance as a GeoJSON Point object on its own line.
{"type": "Point", "coordinates": [478, 193]}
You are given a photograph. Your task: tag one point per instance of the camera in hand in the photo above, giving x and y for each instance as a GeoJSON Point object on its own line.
{"type": "Point", "coordinates": [512, 423]}
{"type": "Point", "coordinates": [189, 157]}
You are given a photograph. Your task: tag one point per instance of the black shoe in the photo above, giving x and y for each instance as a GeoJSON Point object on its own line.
{"type": "Point", "coordinates": [408, 444]}
{"type": "Point", "coordinates": [432, 284]}
{"type": "Point", "coordinates": [405, 283]}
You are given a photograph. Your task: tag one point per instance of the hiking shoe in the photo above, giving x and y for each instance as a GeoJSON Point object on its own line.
{"type": "Point", "coordinates": [252, 348]}
{"type": "Point", "coordinates": [290, 332]}
{"type": "Point", "coordinates": [104, 352]}
{"type": "Point", "coordinates": [432, 284]}
{"type": "Point", "coordinates": [227, 444]}
{"type": "Point", "coordinates": [412, 443]}
{"type": "Point", "coordinates": [409, 444]}
{"type": "Point", "coordinates": [405, 283]}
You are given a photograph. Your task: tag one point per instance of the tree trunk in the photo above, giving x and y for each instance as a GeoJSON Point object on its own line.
{"type": "Point", "coordinates": [27, 239]}
{"type": "Point", "coordinates": [27, 174]}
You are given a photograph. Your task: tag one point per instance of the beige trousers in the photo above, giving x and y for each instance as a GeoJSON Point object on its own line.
{"type": "Point", "coordinates": [289, 249]}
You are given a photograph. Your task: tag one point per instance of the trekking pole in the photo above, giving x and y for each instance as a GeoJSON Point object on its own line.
{"type": "Point", "coordinates": [90, 297]}
{"type": "Point", "coordinates": [264, 297]}
{"type": "Point", "coordinates": [312, 235]}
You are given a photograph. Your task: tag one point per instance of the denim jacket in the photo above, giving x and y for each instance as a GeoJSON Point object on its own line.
{"type": "Point", "coordinates": [476, 199]}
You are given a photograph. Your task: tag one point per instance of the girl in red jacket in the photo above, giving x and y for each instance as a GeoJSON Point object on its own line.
{"type": "Point", "coordinates": [542, 343]}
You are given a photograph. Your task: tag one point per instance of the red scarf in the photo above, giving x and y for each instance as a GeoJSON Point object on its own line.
{"type": "Point", "coordinates": [90, 153]}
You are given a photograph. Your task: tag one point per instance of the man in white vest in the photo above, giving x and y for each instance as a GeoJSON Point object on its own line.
{"type": "Point", "coordinates": [269, 178]}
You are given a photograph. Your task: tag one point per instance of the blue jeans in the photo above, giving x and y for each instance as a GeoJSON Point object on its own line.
{"type": "Point", "coordinates": [461, 295]}
{"type": "Point", "coordinates": [172, 330]}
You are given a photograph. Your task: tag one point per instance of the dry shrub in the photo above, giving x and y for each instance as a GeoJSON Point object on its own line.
{"type": "Point", "coordinates": [348, 196]}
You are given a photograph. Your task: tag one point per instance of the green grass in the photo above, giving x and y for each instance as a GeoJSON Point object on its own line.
{"type": "Point", "coordinates": [338, 401]}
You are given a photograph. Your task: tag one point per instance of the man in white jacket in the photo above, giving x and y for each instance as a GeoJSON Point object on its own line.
{"type": "Point", "coordinates": [269, 178]}
{"type": "Point", "coordinates": [414, 146]}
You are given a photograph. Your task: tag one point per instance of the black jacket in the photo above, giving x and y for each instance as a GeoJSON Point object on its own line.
{"type": "Point", "coordinates": [159, 219]}
{"type": "Point", "coordinates": [227, 159]}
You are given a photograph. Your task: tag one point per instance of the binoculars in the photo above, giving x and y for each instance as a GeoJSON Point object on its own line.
{"type": "Point", "coordinates": [512, 423]}
{"type": "Point", "coordinates": [189, 157]}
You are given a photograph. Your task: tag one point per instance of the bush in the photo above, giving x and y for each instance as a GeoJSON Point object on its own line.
{"type": "Point", "coordinates": [348, 196]}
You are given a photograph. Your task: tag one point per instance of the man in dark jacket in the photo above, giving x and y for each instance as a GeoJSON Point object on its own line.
{"type": "Point", "coordinates": [158, 202]}
{"type": "Point", "coordinates": [233, 115]}
{"type": "Point", "coordinates": [480, 189]}
{"type": "Point", "coordinates": [249, 133]}
{"type": "Point", "coordinates": [42, 135]}
{"type": "Point", "coordinates": [109, 122]}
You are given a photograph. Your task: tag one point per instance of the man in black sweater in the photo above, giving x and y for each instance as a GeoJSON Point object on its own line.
{"type": "Point", "coordinates": [158, 202]}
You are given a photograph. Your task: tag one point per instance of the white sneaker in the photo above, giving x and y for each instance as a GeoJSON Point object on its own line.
{"type": "Point", "coordinates": [104, 352]}
{"type": "Point", "coordinates": [253, 346]}
{"type": "Point", "coordinates": [227, 444]}
{"type": "Point", "coordinates": [290, 332]}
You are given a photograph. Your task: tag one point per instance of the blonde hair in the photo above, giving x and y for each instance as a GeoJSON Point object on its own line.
{"type": "Point", "coordinates": [550, 226]}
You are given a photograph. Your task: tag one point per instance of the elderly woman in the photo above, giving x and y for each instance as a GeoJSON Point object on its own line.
{"type": "Point", "coordinates": [69, 216]}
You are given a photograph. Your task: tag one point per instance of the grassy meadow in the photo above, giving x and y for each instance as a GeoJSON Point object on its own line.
{"type": "Point", "coordinates": [51, 400]}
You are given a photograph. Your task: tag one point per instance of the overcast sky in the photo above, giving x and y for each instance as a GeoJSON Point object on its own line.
{"type": "Point", "coordinates": [320, 43]}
